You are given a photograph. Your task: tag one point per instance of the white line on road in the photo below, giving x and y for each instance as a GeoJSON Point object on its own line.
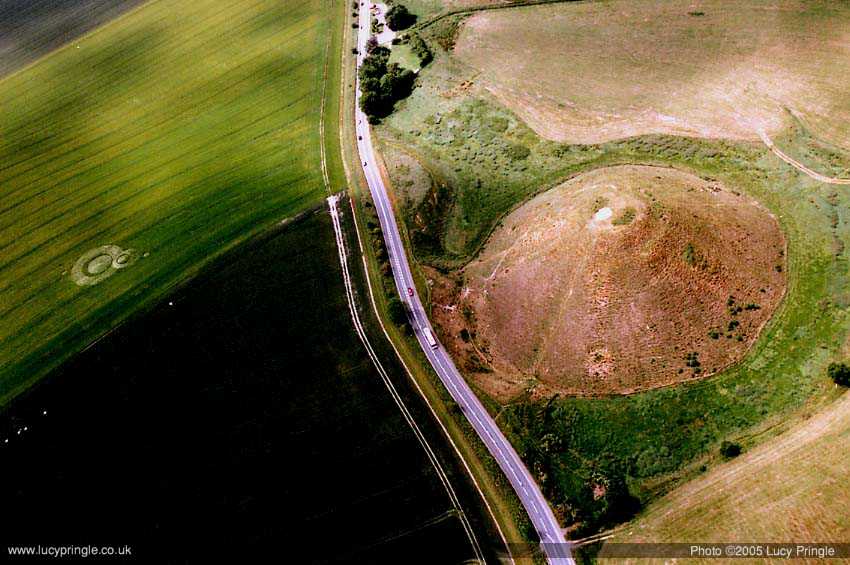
{"type": "Point", "coordinates": [556, 548]}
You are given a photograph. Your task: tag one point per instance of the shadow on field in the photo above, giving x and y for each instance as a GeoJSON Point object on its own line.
{"type": "Point", "coordinates": [30, 29]}
{"type": "Point", "coordinates": [32, 126]}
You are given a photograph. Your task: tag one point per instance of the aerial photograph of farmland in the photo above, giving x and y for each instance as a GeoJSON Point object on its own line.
{"type": "Point", "coordinates": [425, 281]}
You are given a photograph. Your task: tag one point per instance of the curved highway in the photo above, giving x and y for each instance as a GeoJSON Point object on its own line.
{"type": "Point", "coordinates": [553, 544]}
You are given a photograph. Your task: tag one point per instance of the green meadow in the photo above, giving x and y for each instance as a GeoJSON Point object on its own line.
{"type": "Point", "coordinates": [170, 134]}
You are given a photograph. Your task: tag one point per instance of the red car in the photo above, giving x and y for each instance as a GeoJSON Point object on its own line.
{"type": "Point", "coordinates": [409, 291]}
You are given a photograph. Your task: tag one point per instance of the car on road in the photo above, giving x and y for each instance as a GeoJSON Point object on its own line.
{"type": "Point", "coordinates": [409, 291]}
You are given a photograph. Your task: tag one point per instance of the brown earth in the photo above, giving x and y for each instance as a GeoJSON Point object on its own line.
{"type": "Point", "coordinates": [610, 282]}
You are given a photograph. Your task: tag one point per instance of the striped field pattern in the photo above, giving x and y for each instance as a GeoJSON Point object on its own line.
{"type": "Point", "coordinates": [175, 131]}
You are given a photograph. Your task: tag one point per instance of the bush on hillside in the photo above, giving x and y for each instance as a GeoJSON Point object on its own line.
{"type": "Point", "coordinates": [518, 152]}
{"type": "Point", "coordinates": [420, 49]}
{"type": "Point", "coordinates": [397, 311]}
{"type": "Point", "coordinates": [839, 373]}
{"type": "Point", "coordinates": [730, 449]}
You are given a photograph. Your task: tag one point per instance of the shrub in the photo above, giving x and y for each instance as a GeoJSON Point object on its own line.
{"type": "Point", "coordinates": [839, 373]}
{"type": "Point", "coordinates": [371, 44]}
{"type": "Point", "coordinates": [690, 254]}
{"type": "Point", "coordinates": [730, 449]}
{"type": "Point", "coordinates": [518, 152]}
{"type": "Point", "coordinates": [420, 49]}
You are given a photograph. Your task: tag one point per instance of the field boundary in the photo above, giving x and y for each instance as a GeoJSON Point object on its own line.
{"type": "Point", "coordinates": [361, 333]}
{"type": "Point", "coordinates": [419, 388]}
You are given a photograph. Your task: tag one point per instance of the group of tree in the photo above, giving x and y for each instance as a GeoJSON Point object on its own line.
{"type": "Point", "coordinates": [382, 83]}
{"type": "Point", "coordinates": [399, 17]}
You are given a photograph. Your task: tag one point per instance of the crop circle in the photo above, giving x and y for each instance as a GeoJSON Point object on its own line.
{"type": "Point", "coordinates": [100, 263]}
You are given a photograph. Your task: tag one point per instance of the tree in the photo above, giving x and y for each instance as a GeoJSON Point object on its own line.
{"type": "Point", "coordinates": [371, 44]}
{"type": "Point", "coordinates": [399, 17]}
{"type": "Point", "coordinates": [839, 373]}
{"type": "Point", "coordinates": [420, 48]}
{"type": "Point", "coordinates": [397, 83]}
{"type": "Point", "coordinates": [397, 311]}
{"type": "Point", "coordinates": [375, 64]}
{"type": "Point", "coordinates": [382, 84]}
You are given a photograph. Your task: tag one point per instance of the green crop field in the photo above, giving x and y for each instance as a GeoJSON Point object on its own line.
{"type": "Point", "coordinates": [133, 155]}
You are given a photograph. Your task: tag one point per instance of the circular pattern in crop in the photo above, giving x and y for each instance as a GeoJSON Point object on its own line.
{"type": "Point", "coordinates": [100, 263]}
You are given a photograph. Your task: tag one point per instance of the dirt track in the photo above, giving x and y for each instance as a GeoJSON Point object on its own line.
{"type": "Point", "coordinates": [798, 165]}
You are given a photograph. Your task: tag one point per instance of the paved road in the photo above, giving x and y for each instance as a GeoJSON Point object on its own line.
{"type": "Point", "coordinates": [554, 545]}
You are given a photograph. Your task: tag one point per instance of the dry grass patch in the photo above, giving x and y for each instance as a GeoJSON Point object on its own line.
{"type": "Point", "coordinates": [597, 71]}
{"type": "Point", "coordinates": [621, 279]}
{"type": "Point", "coordinates": [792, 489]}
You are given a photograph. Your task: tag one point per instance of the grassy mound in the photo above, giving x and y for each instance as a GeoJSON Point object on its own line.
{"type": "Point", "coordinates": [642, 444]}
{"type": "Point", "coordinates": [623, 279]}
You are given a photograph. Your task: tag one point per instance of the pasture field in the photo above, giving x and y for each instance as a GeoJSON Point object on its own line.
{"type": "Point", "coordinates": [792, 488]}
{"type": "Point", "coordinates": [484, 162]}
{"type": "Point", "coordinates": [596, 71]}
{"type": "Point", "coordinates": [133, 155]}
